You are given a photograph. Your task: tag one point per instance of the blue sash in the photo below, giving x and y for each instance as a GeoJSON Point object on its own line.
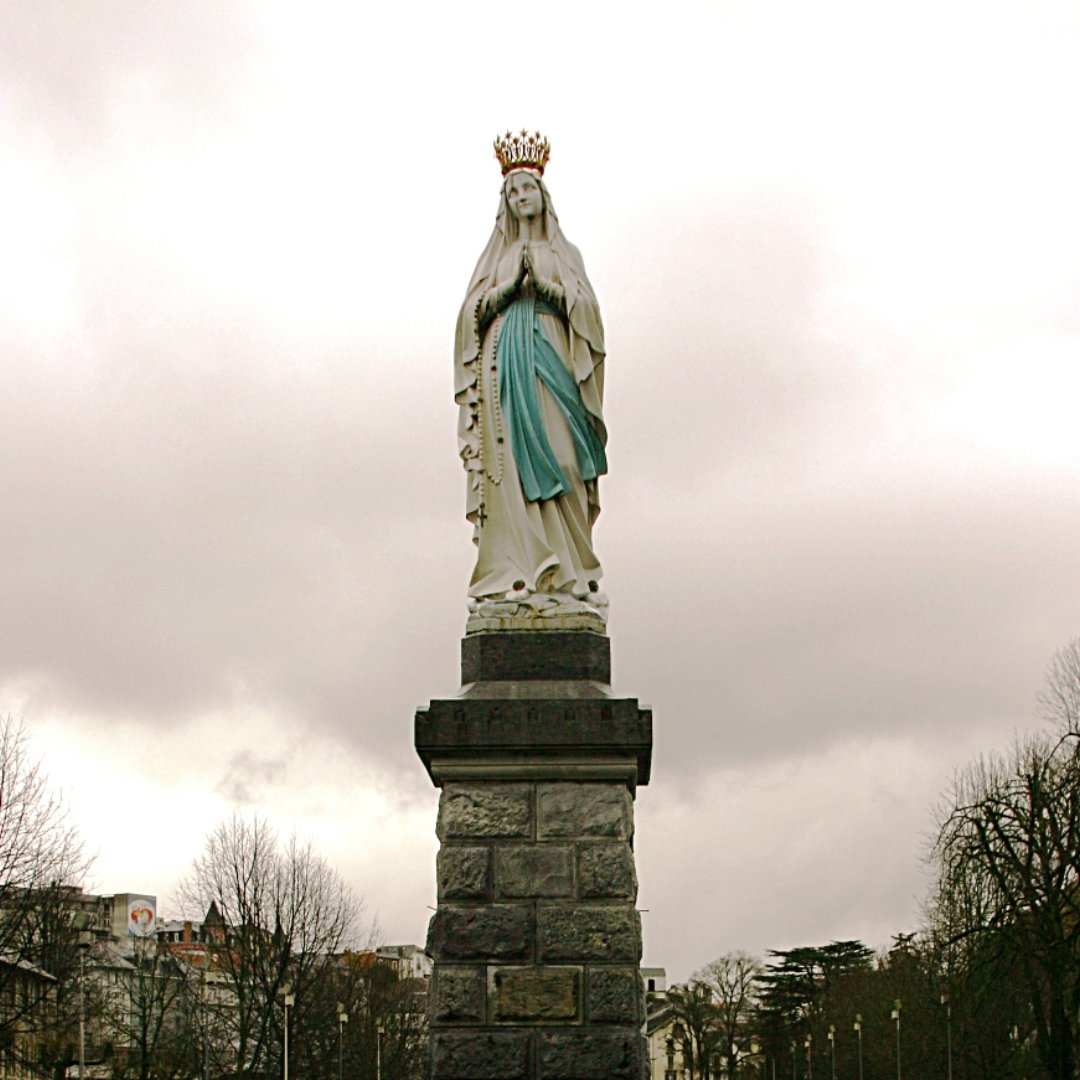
{"type": "Point", "coordinates": [524, 355]}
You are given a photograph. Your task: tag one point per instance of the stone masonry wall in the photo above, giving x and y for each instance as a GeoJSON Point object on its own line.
{"type": "Point", "coordinates": [536, 941]}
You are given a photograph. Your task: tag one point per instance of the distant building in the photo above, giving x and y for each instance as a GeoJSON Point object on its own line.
{"type": "Point", "coordinates": [61, 923]}
{"type": "Point", "coordinates": [655, 981]}
{"type": "Point", "coordinates": [663, 1034]}
{"type": "Point", "coordinates": [181, 932]}
{"type": "Point", "coordinates": [409, 961]}
{"type": "Point", "coordinates": [123, 918]}
{"type": "Point", "coordinates": [28, 1000]}
{"type": "Point", "coordinates": [663, 1042]}
{"type": "Point", "coordinates": [131, 964]}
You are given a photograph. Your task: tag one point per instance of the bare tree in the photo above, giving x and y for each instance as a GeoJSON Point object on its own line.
{"type": "Point", "coordinates": [157, 1017]}
{"type": "Point", "coordinates": [42, 863]}
{"type": "Point", "coordinates": [1059, 699]}
{"type": "Point", "coordinates": [731, 978]}
{"type": "Point", "coordinates": [387, 1022]}
{"type": "Point", "coordinates": [696, 1028]}
{"type": "Point", "coordinates": [1008, 887]}
{"type": "Point", "coordinates": [285, 915]}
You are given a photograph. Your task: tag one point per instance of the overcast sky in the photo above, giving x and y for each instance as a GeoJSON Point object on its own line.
{"type": "Point", "coordinates": [836, 250]}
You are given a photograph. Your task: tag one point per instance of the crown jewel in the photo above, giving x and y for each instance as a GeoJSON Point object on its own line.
{"type": "Point", "coordinates": [523, 151]}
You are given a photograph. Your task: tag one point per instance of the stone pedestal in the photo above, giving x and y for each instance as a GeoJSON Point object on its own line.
{"type": "Point", "coordinates": [536, 941]}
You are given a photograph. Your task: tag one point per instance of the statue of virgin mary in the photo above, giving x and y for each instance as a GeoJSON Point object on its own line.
{"type": "Point", "coordinates": [529, 368]}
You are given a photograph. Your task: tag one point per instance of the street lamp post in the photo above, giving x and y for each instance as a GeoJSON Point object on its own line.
{"type": "Point", "coordinates": [858, 1032]}
{"type": "Point", "coordinates": [204, 1003]}
{"type": "Point", "coordinates": [832, 1049]}
{"type": "Point", "coordinates": [290, 1000]}
{"type": "Point", "coordinates": [82, 1013]}
{"type": "Point", "coordinates": [378, 1052]}
{"type": "Point", "coordinates": [342, 1020]}
{"type": "Point", "coordinates": [205, 1048]}
{"type": "Point", "coordinates": [896, 1017]}
{"type": "Point", "coordinates": [81, 923]}
{"type": "Point", "coordinates": [948, 1032]}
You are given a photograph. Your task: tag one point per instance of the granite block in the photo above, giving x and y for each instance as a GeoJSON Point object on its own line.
{"type": "Point", "coordinates": [604, 1055]}
{"type": "Point", "coordinates": [495, 932]}
{"type": "Point", "coordinates": [588, 933]}
{"type": "Point", "coordinates": [457, 995]}
{"type": "Point", "coordinates": [535, 994]}
{"type": "Point", "coordinates": [584, 810]}
{"type": "Point", "coordinates": [480, 1055]}
{"type": "Point", "coordinates": [614, 996]}
{"type": "Point", "coordinates": [606, 871]}
{"type": "Point", "coordinates": [534, 870]}
{"type": "Point", "coordinates": [464, 873]}
{"type": "Point", "coordinates": [485, 811]}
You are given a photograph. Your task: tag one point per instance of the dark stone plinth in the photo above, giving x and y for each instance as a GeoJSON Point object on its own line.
{"type": "Point", "coordinates": [512, 656]}
{"type": "Point", "coordinates": [525, 730]}
{"type": "Point", "coordinates": [537, 940]}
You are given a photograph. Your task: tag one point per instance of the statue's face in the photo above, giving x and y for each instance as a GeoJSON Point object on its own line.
{"type": "Point", "coordinates": [523, 195]}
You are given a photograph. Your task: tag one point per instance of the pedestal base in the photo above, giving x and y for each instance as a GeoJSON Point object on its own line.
{"type": "Point", "coordinates": [536, 941]}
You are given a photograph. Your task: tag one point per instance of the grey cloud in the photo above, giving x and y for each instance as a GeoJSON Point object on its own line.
{"type": "Point", "coordinates": [249, 779]}
{"type": "Point", "coordinates": [186, 536]}
{"type": "Point", "coordinates": [851, 617]}
{"type": "Point", "coordinates": [211, 518]}
{"type": "Point", "coordinates": [812, 572]}
{"type": "Point", "coordinates": [718, 344]}
{"type": "Point", "coordinates": [68, 64]}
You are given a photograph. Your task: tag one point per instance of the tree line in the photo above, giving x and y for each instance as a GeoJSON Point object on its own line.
{"type": "Point", "coordinates": [987, 989]}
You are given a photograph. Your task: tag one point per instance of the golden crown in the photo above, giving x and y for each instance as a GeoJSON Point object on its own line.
{"type": "Point", "coordinates": [522, 151]}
